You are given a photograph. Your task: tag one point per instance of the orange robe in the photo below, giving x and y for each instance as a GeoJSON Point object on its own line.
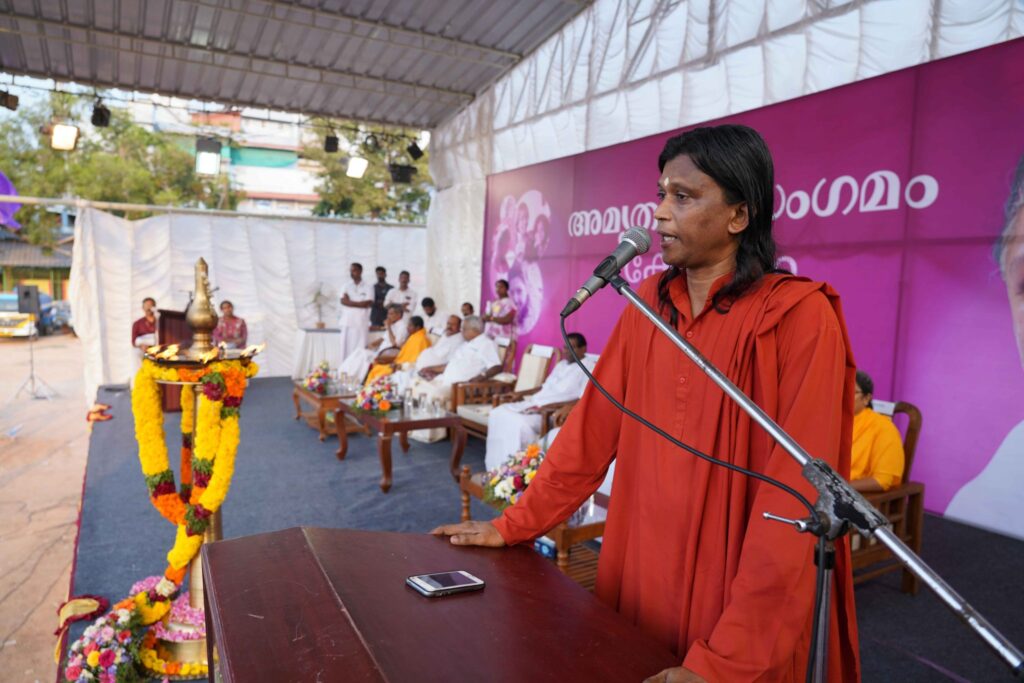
{"type": "Point", "coordinates": [686, 554]}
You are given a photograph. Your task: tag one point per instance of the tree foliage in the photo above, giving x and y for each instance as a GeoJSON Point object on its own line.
{"type": "Point", "coordinates": [120, 163]}
{"type": "Point", "coordinates": [375, 195]}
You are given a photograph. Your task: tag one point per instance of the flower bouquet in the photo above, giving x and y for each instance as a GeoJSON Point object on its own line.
{"type": "Point", "coordinates": [378, 397]}
{"type": "Point", "coordinates": [504, 485]}
{"type": "Point", "coordinates": [107, 651]}
{"type": "Point", "coordinates": [317, 380]}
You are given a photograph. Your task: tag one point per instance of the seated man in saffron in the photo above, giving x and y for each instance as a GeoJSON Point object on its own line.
{"type": "Point", "coordinates": [877, 458]}
{"type": "Point", "coordinates": [395, 332]}
{"type": "Point", "coordinates": [416, 344]}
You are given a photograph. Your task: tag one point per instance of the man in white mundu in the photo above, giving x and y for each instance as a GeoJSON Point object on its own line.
{"type": "Point", "coordinates": [356, 300]}
{"type": "Point", "coordinates": [511, 426]}
{"type": "Point", "coordinates": [477, 357]}
{"type": "Point", "coordinates": [396, 331]}
{"type": "Point", "coordinates": [441, 351]}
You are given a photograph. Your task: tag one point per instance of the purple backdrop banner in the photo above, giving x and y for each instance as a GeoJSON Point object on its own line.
{"type": "Point", "coordinates": [890, 189]}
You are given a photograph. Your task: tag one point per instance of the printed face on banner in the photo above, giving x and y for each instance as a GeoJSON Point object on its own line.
{"type": "Point", "coordinates": [890, 189]}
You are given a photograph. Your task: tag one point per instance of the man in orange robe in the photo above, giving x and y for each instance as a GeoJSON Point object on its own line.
{"type": "Point", "coordinates": [687, 555]}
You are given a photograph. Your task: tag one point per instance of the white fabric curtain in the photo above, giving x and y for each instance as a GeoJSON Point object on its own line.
{"type": "Point", "coordinates": [625, 69]}
{"type": "Point", "coordinates": [269, 268]}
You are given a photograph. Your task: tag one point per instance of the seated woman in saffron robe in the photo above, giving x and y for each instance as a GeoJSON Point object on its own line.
{"type": "Point", "coordinates": [876, 463]}
{"type": "Point", "coordinates": [687, 555]}
{"type": "Point", "coordinates": [417, 342]}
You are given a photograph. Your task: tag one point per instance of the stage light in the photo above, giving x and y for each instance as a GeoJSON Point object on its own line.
{"type": "Point", "coordinates": [208, 156]}
{"type": "Point", "coordinates": [414, 151]}
{"type": "Point", "coordinates": [100, 115]}
{"type": "Point", "coordinates": [8, 101]}
{"type": "Point", "coordinates": [63, 137]}
{"type": "Point", "coordinates": [356, 167]}
{"type": "Point", "coordinates": [400, 173]}
{"type": "Point", "coordinates": [331, 144]}
{"type": "Point", "coordinates": [371, 141]}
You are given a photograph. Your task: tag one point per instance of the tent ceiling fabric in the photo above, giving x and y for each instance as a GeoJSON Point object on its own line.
{"type": "Point", "coordinates": [626, 69]}
{"type": "Point", "coordinates": [408, 62]}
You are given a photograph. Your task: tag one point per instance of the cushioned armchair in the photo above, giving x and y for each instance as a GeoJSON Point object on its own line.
{"type": "Point", "coordinates": [475, 400]}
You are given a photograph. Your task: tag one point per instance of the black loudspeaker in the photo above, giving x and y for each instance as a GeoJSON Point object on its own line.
{"type": "Point", "coordinates": [28, 299]}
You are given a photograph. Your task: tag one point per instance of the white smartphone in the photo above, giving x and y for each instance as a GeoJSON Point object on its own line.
{"type": "Point", "coordinates": [445, 583]}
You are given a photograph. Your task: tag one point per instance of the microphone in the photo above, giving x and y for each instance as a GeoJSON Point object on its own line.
{"type": "Point", "coordinates": [636, 241]}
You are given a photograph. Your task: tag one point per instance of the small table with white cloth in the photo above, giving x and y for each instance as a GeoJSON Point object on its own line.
{"type": "Point", "coordinates": [316, 346]}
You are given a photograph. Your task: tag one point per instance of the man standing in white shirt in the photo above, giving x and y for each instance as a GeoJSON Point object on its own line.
{"type": "Point", "coordinates": [434, 320]}
{"type": "Point", "coordinates": [477, 357]}
{"type": "Point", "coordinates": [356, 300]}
{"type": "Point", "coordinates": [511, 426]}
{"type": "Point", "coordinates": [403, 295]}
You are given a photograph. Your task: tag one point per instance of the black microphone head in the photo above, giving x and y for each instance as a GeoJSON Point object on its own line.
{"type": "Point", "coordinates": [639, 238]}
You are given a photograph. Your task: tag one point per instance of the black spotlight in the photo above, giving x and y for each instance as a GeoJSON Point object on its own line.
{"type": "Point", "coordinates": [414, 151]}
{"type": "Point", "coordinates": [8, 101]}
{"type": "Point", "coordinates": [331, 144]}
{"type": "Point", "coordinates": [100, 115]}
{"type": "Point", "coordinates": [371, 141]}
{"type": "Point", "coordinates": [401, 173]}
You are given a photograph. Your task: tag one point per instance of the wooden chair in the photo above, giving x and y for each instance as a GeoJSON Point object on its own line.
{"type": "Point", "coordinates": [474, 400]}
{"type": "Point", "coordinates": [903, 505]}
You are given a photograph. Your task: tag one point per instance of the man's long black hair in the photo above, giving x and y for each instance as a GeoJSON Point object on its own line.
{"type": "Point", "coordinates": [737, 158]}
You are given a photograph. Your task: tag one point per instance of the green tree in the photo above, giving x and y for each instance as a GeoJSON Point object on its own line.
{"type": "Point", "coordinates": [375, 195]}
{"type": "Point", "coordinates": [120, 163]}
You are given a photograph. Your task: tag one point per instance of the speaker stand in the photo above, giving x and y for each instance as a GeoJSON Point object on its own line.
{"type": "Point", "coordinates": [34, 386]}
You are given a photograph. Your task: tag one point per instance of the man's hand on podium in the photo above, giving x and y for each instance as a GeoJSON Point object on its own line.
{"type": "Point", "coordinates": [677, 674]}
{"type": "Point", "coordinates": [471, 533]}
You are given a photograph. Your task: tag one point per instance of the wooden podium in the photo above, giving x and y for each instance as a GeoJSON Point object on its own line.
{"type": "Point", "coordinates": [309, 604]}
{"type": "Point", "coordinates": [172, 328]}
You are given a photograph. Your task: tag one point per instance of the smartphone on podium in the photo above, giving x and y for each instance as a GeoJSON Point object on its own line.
{"type": "Point", "coordinates": [444, 583]}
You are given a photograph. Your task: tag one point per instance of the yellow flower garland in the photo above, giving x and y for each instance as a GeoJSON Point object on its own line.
{"type": "Point", "coordinates": [217, 438]}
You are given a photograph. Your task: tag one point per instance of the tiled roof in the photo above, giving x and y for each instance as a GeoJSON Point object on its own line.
{"type": "Point", "coordinates": [17, 254]}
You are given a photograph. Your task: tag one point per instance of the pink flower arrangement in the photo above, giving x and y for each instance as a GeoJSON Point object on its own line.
{"type": "Point", "coordinates": [378, 397]}
{"type": "Point", "coordinates": [317, 380]}
{"type": "Point", "coordinates": [506, 483]}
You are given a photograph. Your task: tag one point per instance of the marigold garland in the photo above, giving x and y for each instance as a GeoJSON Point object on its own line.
{"type": "Point", "coordinates": [207, 469]}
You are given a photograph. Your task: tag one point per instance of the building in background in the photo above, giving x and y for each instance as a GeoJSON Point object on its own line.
{"type": "Point", "coordinates": [260, 151]}
{"type": "Point", "coordinates": [22, 263]}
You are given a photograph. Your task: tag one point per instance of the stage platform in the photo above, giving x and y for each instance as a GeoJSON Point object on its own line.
{"type": "Point", "coordinates": [285, 477]}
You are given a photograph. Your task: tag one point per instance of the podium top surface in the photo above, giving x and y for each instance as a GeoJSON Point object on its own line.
{"type": "Point", "coordinates": [308, 604]}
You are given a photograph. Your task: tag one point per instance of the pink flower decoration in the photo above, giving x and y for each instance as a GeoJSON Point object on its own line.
{"type": "Point", "coordinates": [107, 658]}
{"type": "Point", "coordinates": [73, 672]}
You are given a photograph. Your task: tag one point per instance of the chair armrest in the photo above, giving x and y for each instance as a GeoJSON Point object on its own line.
{"type": "Point", "coordinates": [482, 391]}
{"type": "Point", "coordinates": [513, 396]}
{"type": "Point", "coordinates": [911, 488]}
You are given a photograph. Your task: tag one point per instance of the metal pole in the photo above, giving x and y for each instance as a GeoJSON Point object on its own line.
{"type": "Point", "coordinates": [836, 485]}
{"type": "Point", "coordinates": [156, 208]}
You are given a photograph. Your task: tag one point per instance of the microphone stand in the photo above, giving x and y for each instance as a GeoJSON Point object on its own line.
{"type": "Point", "coordinates": [839, 509]}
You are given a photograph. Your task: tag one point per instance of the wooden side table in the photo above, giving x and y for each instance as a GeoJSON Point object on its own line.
{"type": "Point", "coordinates": [401, 423]}
{"type": "Point", "coordinates": [321, 404]}
{"type": "Point", "coordinates": [576, 561]}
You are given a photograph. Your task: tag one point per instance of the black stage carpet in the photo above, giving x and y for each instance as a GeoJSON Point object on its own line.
{"type": "Point", "coordinates": [285, 477]}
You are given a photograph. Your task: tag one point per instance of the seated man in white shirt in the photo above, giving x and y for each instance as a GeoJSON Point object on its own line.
{"type": "Point", "coordinates": [440, 352]}
{"type": "Point", "coordinates": [402, 295]}
{"type": "Point", "coordinates": [433, 319]}
{"type": "Point", "coordinates": [477, 358]}
{"type": "Point", "coordinates": [512, 426]}
{"type": "Point", "coordinates": [396, 331]}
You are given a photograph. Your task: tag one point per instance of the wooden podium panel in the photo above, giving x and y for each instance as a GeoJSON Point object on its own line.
{"type": "Point", "coordinates": [309, 604]}
{"type": "Point", "coordinates": [172, 328]}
